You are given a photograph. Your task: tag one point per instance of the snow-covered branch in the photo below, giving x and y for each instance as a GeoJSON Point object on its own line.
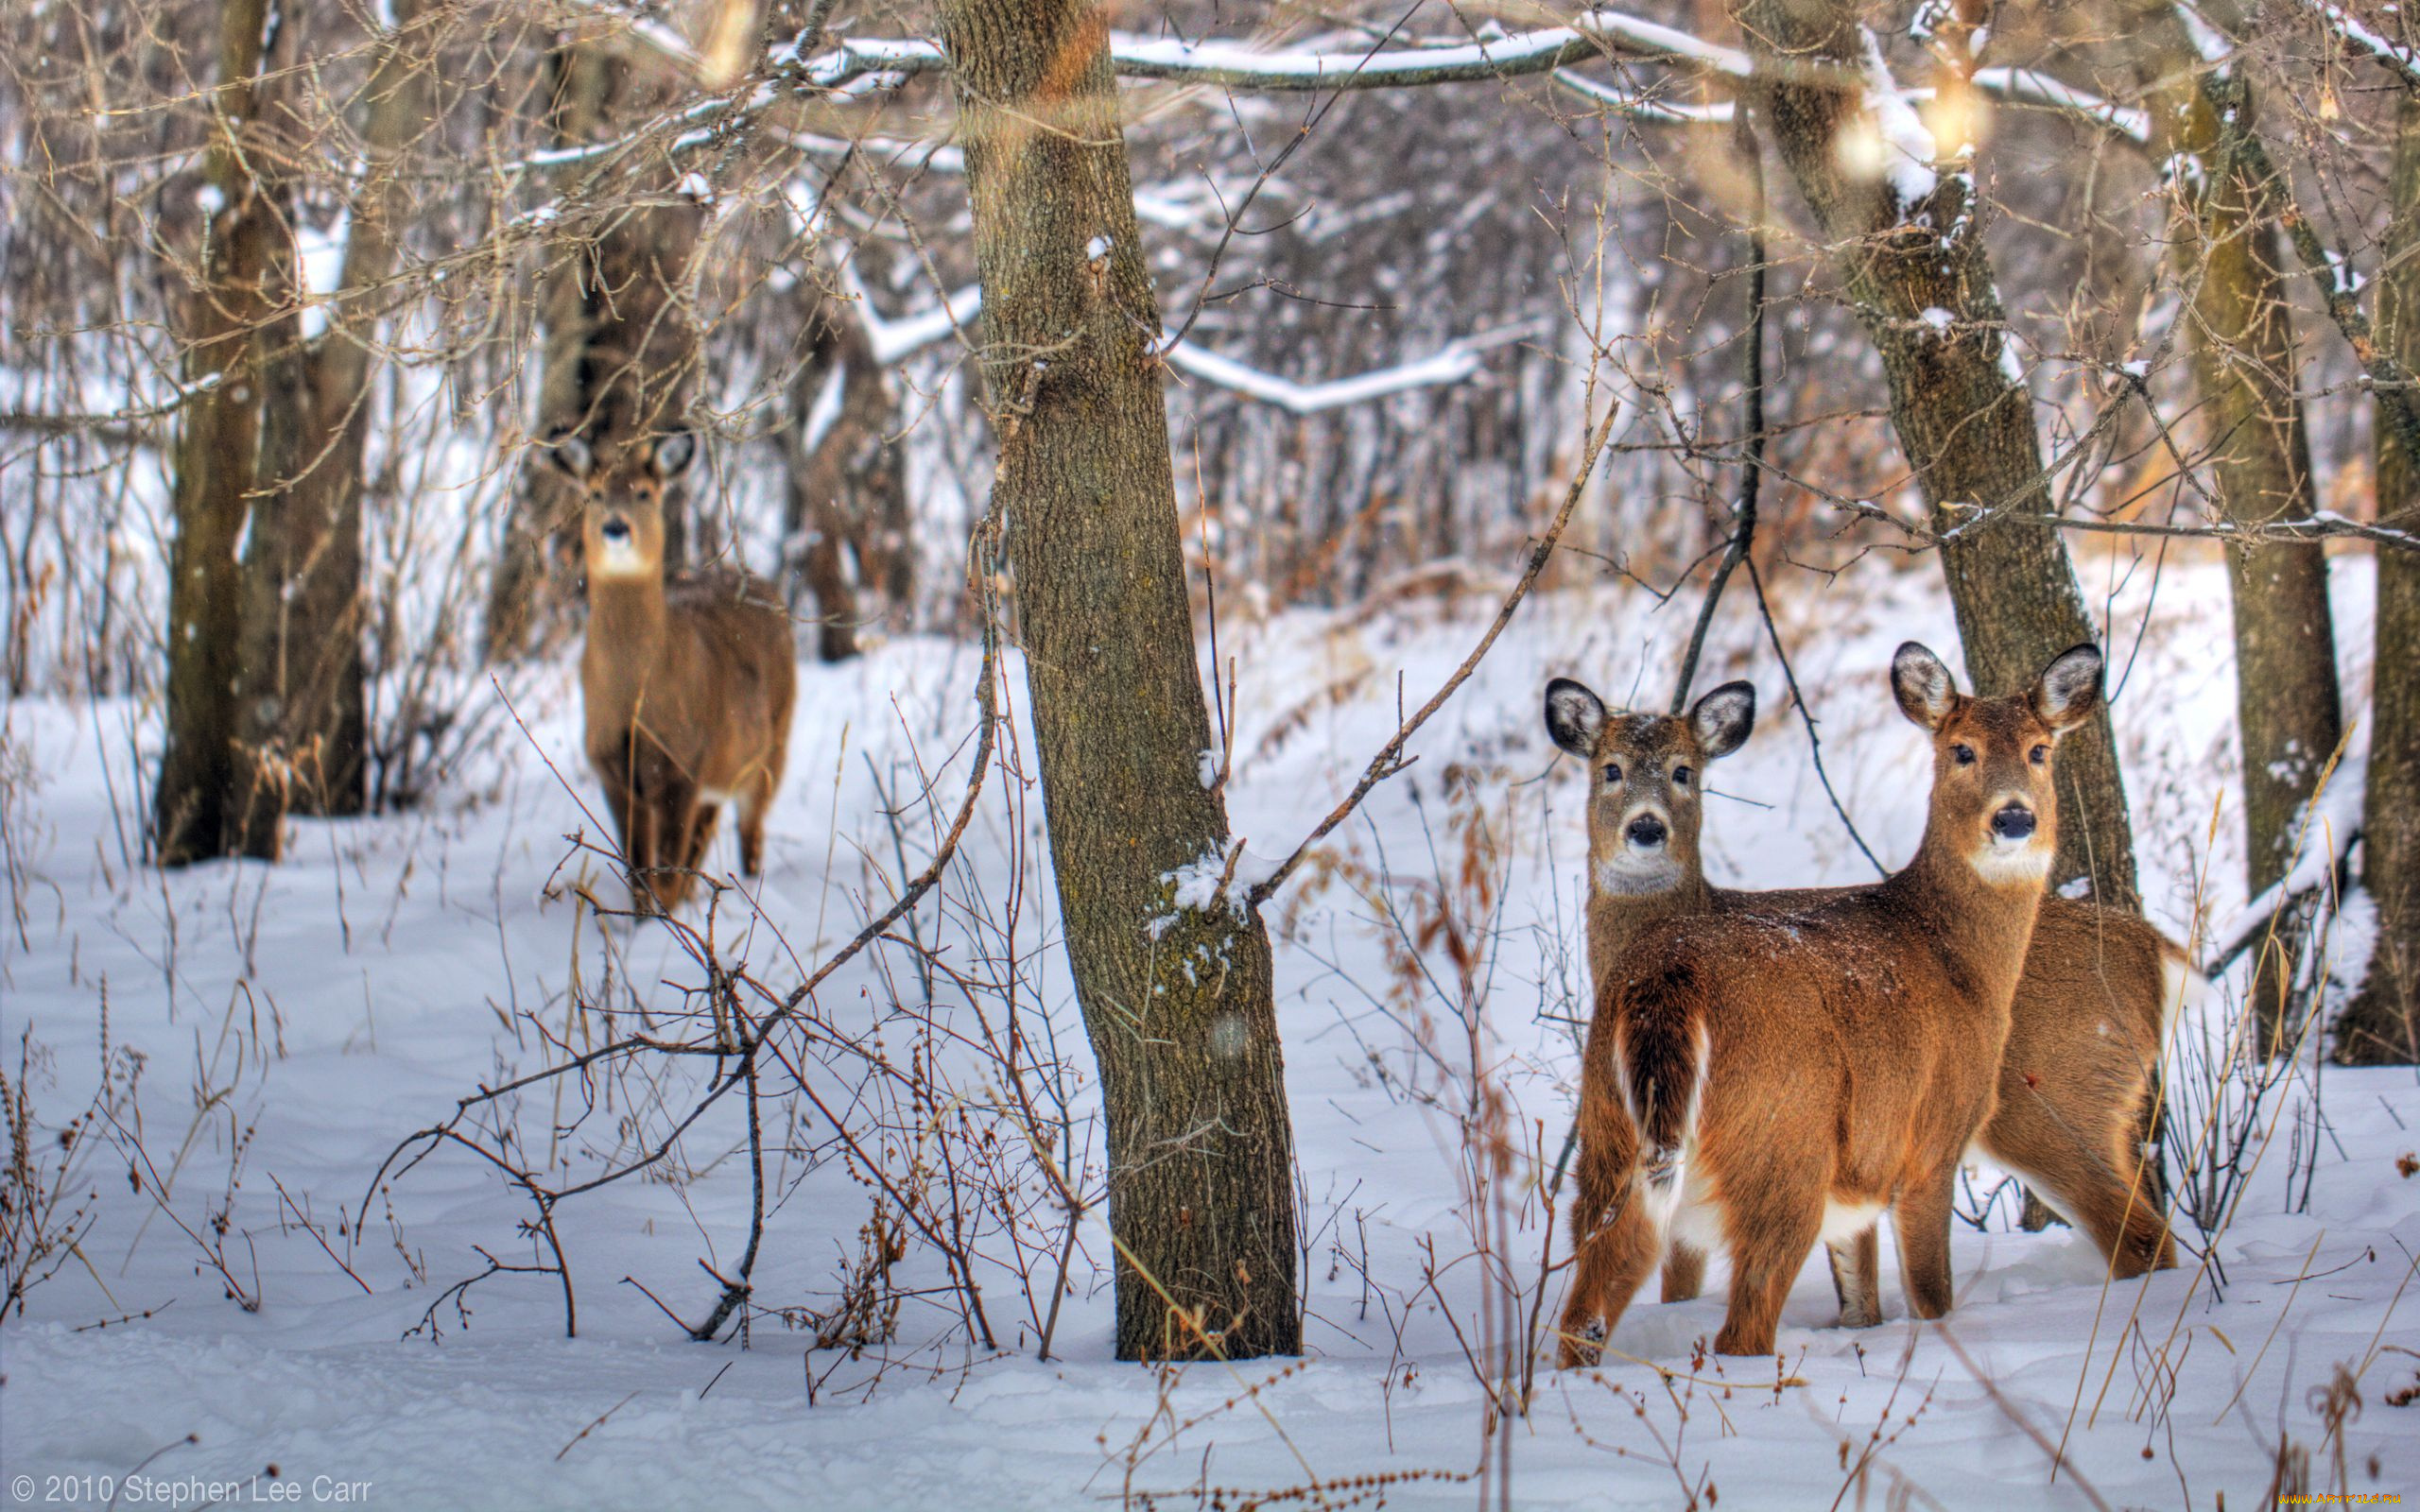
{"type": "Point", "coordinates": [1904, 150]}
{"type": "Point", "coordinates": [648, 30]}
{"type": "Point", "coordinates": [2327, 832]}
{"type": "Point", "coordinates": [1591, 35]}
{"type": "Point", "coordinates": [865, 65]}
{"type": "Point", "coordinates": [2028, 85]}
{"type": "Point", "coordinates": [1451, 364]}
{"type": "Point", "coordinates": [1239, 65]}
{"type": "Point", "coordinates": [1639, 107]}
{"type": "Point", "coordinates": [894, 340]}
{"type": "Point", "coordinates": [2363, 38]}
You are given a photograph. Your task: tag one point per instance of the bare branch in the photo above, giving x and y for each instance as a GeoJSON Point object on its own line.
{"type": "Point", "coordinates": [1751, 401]}
{"type": "Point", "coordinates": [1453, 363]}
{"type": "Point", "coordinates": [2350, 29]}
{"type": "Point", "coordinates": [1389, 759]}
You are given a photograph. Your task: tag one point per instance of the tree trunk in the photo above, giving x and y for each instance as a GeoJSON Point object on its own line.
{"type": "Point", "coordinates": [1964, 421]}
{"type": "Point", "coordinates": [303, 716]}
{"type": "Point", "coordinates": [2382, 1025]}
{"type": "Point", "coordinates": [621, 346]}
{"type": "Point", "coordinates": [1176, 995]}
{"type": "Point", "coordinates": [2239, 332]}
{"type": "Point", "coordinates": [534, 584]}
{"type": "Point", "coordinates": [814, 540]}
{"type": "Point", "coordinates": [196, 809]}
{"type": "Point", "coordinates": [847, 483]}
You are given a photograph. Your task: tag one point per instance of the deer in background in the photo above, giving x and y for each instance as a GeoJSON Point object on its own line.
{"type": "Point", "coordinates": [1767, 1079]}
{"type": "Point", "coordinates": [687, 679]}
{"type": "Point", "coordinates": [2078, 1082]}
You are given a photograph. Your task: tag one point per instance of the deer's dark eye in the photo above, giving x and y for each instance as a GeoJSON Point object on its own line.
{"type": "Point", "coordinates": [2038, 755]}
{"type": "Point", "coordinates": [1965, 754]}
{"type": "Point", "coordinates": [1612, 773]}
{"type": "Point", "coordinates": [1680, 776]}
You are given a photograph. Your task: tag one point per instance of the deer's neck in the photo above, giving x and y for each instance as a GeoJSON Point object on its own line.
{"type": "Point", "coordinates": [1615, 918]}
{"type": "Point", "coordinates": [1983, 926]}
{"type": "Point", "coordinates": [627, 626]}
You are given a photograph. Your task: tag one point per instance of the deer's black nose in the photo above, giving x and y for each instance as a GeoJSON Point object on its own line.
{"type": "Point", "coordinates": [1646, 831]}
{"type": "Point", "coordinates": [617, 532]}
{"type": "Point", "coordinates": [2015, 822]}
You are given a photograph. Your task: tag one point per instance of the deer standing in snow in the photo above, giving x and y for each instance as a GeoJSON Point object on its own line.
{"type": "Point", "coordinates": [2079, 1078]}
{"type": "Point", "coordinates": [687, 679]}
{"type": "Point", "coordinates": [1766, 1079]}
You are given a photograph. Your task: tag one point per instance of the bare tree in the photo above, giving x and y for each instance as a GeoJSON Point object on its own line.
{"type": "Point", "coordinates": [845, 516]}
{"type": "Point", "coordinates": [1905, 228]}
{"type": "Point", "coordinates": [621, 350]}
{"type": "Point", "coordinates": [1174, 983]}
{"type": "Point", "coordinates": [302, 704]}
{"type": "Point", "coordinates": [231, 294]}
{"type": "Point", "coordinates": [2238, 328]}
{"type": "Point", "coordinates": [2382, 1024]}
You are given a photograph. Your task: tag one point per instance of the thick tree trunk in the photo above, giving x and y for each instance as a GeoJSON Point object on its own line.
{"type": "Point", "coordinates": [1963, 419]}
{"type": "Point", "coordinates": [196, 812]}
{"type": "Point", "coordinates": [621, 350]}
{"type": "Point", "coordinates": [304, 714]}
{"type": "Point", "coordinates": [2239, 332]}
{"type": "Point", "coordinates": [2382, 1025]}
{"type": "Point", "coordinates": [1176, 995]}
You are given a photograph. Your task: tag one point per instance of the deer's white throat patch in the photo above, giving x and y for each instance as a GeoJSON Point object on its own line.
{"type": "Point", "coordinates": [617, 559]}
{"type": "Point", "coordinates": [1628, 872]}
{"type": "Point", "coordinates": [1999, 862]}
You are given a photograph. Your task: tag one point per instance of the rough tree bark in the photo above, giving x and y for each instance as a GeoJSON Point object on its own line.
{"type": "Point", "coordinates": [1176, 995]}
{"type": "Point", "coordinates": [621, 345]}
{"type": "Point", "coordinates": [2382, 1024]}
{"type": "Point", "coordinates": [1920, 282]}
{"type": "Point", "coordinates": [196, 812]}
{"type": "Point", "coordinates": [2239, 333]}
{"type": "Point", "coordinates": [302, 715]}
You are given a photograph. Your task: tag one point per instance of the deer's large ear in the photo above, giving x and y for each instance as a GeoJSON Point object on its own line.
{"type": "Point", "coordinates": [570, 456]}
{"type": "Point", "coordinates": [1575, 717]}
{"type": "Point", "coordinates": [1922, 684]}
{"type": "Point", "coordinates": [1723, 718]}
{"type": "Point", "coordinates": [672, 455]}
{"type": "Point", "coordinates": [2069, 689]}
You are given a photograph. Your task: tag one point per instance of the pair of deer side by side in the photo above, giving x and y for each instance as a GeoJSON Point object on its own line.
{"type": "Point", "coordinates": [687, 678]}
{"type": "Point", "coordinates": [1768, 1070]}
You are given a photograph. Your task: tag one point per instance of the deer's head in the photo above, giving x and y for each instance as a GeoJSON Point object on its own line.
{"type": "Point", "coordinates": [1646, 773]}
{"type": "Point", "coordinates": [1993, 802]}
{"type": "Point", "coordinates": [622, 499]}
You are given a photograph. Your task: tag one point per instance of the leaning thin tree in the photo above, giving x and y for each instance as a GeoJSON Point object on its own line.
{"type": "Point", "coordinates": [1176, 993]}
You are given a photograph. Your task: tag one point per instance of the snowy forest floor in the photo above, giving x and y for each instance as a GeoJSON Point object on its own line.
{"type": "Point", "coordinates": [294, 1023]}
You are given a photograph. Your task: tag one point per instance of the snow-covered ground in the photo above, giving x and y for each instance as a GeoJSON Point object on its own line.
{"type": "Point", "coordinates": [296, 1022]}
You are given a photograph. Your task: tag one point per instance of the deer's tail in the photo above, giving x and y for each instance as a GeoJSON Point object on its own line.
{"type": "Point", "coordinates": [1660, 1057]}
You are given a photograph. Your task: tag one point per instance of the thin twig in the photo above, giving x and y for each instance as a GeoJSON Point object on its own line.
{"type": "Point", "coordinates": [1389, 760]}
{"type": "Point", "coordinates": [593, 1427]}
{"type": "Point", "coordinates": [1752, 400]}
{"type": "Point", "coordinates": [1807, 715]}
